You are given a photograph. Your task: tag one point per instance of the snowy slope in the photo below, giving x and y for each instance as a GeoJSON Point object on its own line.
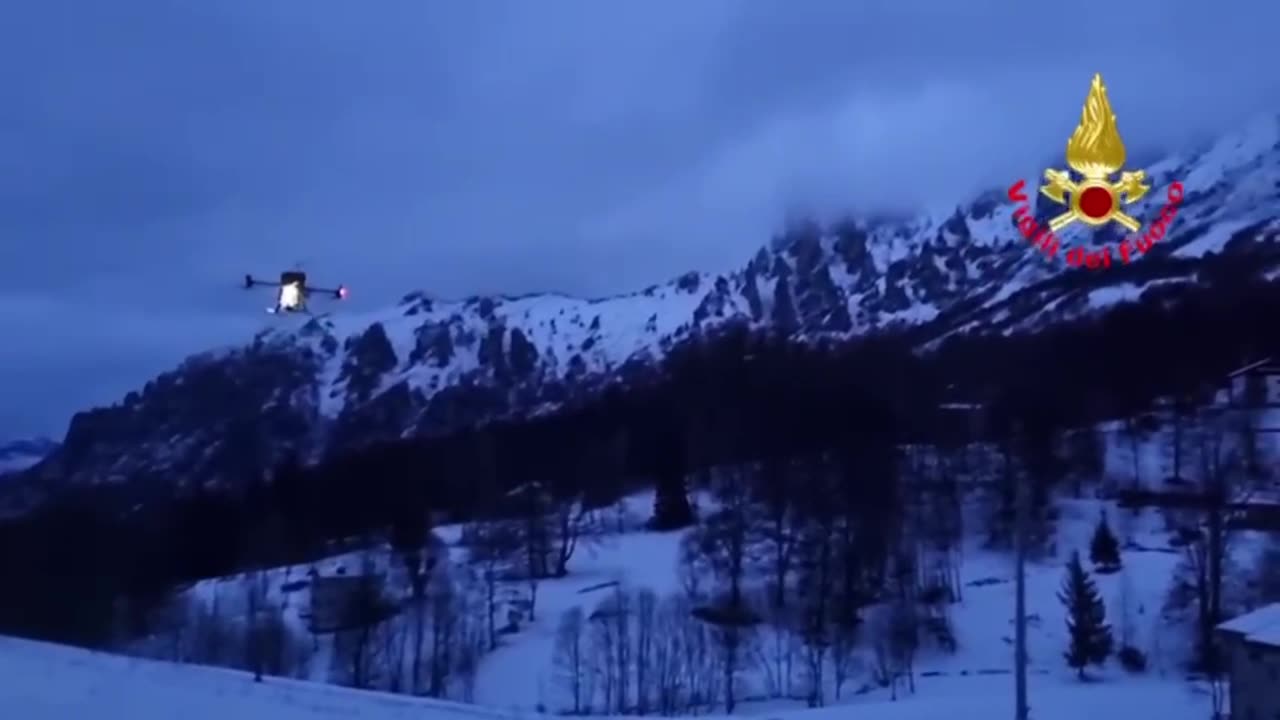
{"type": "Point", "coordinates": [48, 682]}
{"type": "Point", "coordinates": [51, 682]}
{"type": "Point", "coordinates": [520, 675]}
{"type": "Point", "coordinates": [429, 364]}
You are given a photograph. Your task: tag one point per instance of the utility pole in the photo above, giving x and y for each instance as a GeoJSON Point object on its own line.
{"type": "Point", "coordinates": [1022, 512]}
{"type": "Point", "coordinates": [1021, 711]}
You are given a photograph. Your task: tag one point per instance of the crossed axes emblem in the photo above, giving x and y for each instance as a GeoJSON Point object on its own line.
{"type": "Point", "coordinates": [1130, 188]}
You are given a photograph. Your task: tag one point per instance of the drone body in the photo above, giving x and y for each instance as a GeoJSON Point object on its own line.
{"type": "Point", "coordinates": [293, 291]}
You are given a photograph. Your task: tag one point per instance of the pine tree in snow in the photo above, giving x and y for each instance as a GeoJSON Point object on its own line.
{"type": "Point", "coordinates": [1087, 628]}
{"type": "Point", "coordinates": [1104, 548]}
{"type": "Point", "coordinates": [671, 508]}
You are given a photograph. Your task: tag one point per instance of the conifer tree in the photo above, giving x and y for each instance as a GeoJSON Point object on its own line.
{"type": "Point", "coordinates": [1090, 635]}
{"type": "Point", "coordinates": [1104, 549]}
{"type": "Point", "coordinates": [671, 508]}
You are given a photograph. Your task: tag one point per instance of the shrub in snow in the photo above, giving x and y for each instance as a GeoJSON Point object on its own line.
{"type": "Point", "coordinates": [1132, 659]}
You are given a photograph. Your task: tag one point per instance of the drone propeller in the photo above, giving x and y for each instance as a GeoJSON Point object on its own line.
{"type": "Point", "coordinates": [252, 282]}
{"type": "Point", "coordinates": [340, 292]}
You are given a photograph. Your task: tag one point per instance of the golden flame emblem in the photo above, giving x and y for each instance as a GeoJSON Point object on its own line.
{"type": "Point", "coordinates": [1095, 152]}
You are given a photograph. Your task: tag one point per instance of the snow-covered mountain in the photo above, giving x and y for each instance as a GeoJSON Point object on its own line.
{"type": "Point", "coordinates": [429, 364]}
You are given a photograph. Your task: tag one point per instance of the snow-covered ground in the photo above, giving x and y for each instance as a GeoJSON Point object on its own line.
{"type": "Point", "coordinates": [520, 679]}
{"type": "Point", "coordinates": [521, 676]}
{"type": "Point", "coordinates": [49, 682]}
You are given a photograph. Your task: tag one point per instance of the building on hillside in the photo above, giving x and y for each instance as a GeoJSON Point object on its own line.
{"type": "Point", "coordinates": [1256, 385]}
{"type": "Point", "coordinates": [1251, 646]}
{"type": "Point", "coordinates": [1250, 399]}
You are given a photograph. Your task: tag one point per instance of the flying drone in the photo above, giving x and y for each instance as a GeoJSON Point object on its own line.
{"type": "Point", "coordinates": [293, 291]}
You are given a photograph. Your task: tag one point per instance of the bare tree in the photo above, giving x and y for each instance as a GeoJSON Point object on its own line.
{"type": "Point", "coordinates": [815, 560]}
{"type": "Point", "coordinates": [1135, 435]}
{"type": "Point", "coordinates": [468, 637]}
{"type": "Point", "coordinates": [572, 526]}
{"type": "Point", "coordinates": [775, 647]}
{"type": "Point", "coordinates": [605, 653]}
{"type": "Point", "coordinates": [448, 609]}
{"type": "Point", "coordinates": [1219, 692]}
{"type": "Point", "coordinates": [884, 671]}
{"type": "Point", "coordinates": [1255, 460]}
{"type": "Point", "coordinates": [646, 608]}
{"type": "Point", "coordinates": [843, 657]}
{"type": "Point", "coordinates": [576, 519]}
{"type": "Point", "coordinates": [622, 615]}
{"type": "Point", "coordinates": [411, 538]}
{"type": "Point", "coordinates": [394, 636]}
{"type": "Point", "coordinates": [667, 656]}
{"type": "Point", "coordinates": [680, 670]}
{"type": "Point", "coordinates": [927, 561]}
{"type": "Point", "coordinates": [570, 656]}
{"type": "Point", "coordinates": [894, 639]}
{"type": "Point", "coordinates": [776, 528]}
{"type": "Point", "coordinates": [211, 636]}
{"type": "Point", "coordinates": [357, 650]}
{"type": "Point", "coordinates": [1182, 424]}
{"type": "Point", "coordinates": [701, 661]}
{"type": "Point", "coordinates": [255, 589]}
{"type": "Point", "coordinates": [722, 545]}
{"type": "Point", "coordinates": [535, 504]}
{"type": "Point", "coordinates": [1208, 551]}
{"type": "Point", "coordinates": [904, 639]}
{"type": "Point", "coordinates": [468, 664]}
{"type": "Point", "coordinates": [491, 547]}
{"type": "Point", "coordinates": [942, 528]}
{"type": "Point", "coordinates": [284, 653]}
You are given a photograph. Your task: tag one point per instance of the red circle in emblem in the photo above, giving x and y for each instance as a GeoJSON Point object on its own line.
{"type": "Point", "coordinates": [1096, 202]}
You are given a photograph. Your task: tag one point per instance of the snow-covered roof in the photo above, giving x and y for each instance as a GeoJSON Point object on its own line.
{"type": "Point", "coordinates": [1261, 626]}
{"type": "Point", "coordinates": [1269, 635]}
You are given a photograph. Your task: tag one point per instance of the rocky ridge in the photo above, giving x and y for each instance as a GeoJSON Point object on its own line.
{"type": "Point", "coordinates": [428, 364]}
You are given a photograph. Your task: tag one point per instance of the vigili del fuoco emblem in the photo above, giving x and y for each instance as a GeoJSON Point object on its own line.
{"type": "Point", "coordinates": [1095, 152]}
